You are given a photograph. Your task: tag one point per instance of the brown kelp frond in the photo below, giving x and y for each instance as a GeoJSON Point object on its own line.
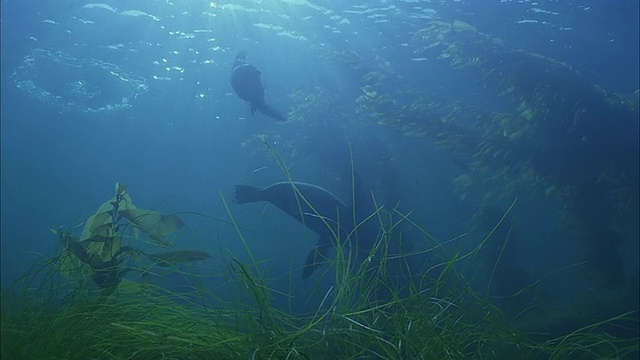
{"type": "Point", "coordinates": [379, 303]}
{"type": "Point", "coordinates": [174, 257]}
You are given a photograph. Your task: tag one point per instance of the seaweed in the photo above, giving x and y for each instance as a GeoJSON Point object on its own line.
{"type": "Point", "coordinates": [379, 307]}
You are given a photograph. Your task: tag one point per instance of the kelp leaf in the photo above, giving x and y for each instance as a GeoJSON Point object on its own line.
{"type": "Point", "coordinates": [134, 254]}
{"type": "Point", "coordinates": [108, 206]}
{"type": "Point", "coordinates": [93, 247]}
{"type": "Point", "coordinates": [463, 26]}
{"type": "Point", "coordinates": [111, 247]}
{"type": "Point", "coordinates": [105, 230]}
{"type": "Point", "coordinates": [69, 265]}
{"type": "Point", "coordinates": [103, 246]}
{"type": "Point", "coordinates": [167, 258]}
{"type": "Point", "coordinates": [156, 225]}
{"type": "Point", "coordinates": [130, 287]}
{"type": "Point", "coordinates": [125, 203]}
{"type": "Point", "coordinates": [169, 224]}
{"type": "Point", "coordinates": [369, 91]}
{"type": "Point", "coordinates": [93, 223]}
{"type": "Point", "coordinates": [98, 223]}
{"type": "Point", "coordinates": [120, 188]}
{"type": "Point", "coordinates": [160, 240]}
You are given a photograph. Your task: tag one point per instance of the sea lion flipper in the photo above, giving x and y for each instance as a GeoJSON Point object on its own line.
{"type": "Point", "coordinates": [269, 111]}
{"type": "Point", "coordinates": [317, 256]}
{"type": "Point", "coordinates": [247, 194]}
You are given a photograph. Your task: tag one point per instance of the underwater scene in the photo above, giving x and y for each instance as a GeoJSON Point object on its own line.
{"type": "Point", "coordinates": [319, 179]}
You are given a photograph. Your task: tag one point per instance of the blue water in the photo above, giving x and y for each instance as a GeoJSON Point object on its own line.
{"type": "Point", "coordinates": [138, 92]}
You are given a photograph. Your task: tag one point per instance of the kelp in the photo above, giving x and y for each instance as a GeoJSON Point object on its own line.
{"type": "Point", "coordinates": [563, 137]}
{"type": "Point", "coordinates": [99, 251]}
{"type": "Point", "coordinates": [154, 224]}
{"type": "Point", "coordinates": [174, 257]}
{"type": "Point", "coordinates": [387, 306]}
{"type": "Point", "coordinates": [366, 313]}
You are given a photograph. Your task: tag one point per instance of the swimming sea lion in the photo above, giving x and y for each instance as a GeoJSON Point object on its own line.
{"type": "Point", "coordinates": [245, 80]}
{"type": "Point", "coordinates": [328, 218]}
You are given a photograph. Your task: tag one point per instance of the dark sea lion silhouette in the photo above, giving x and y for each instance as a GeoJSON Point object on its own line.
{"type": "Point", "coordinates": [327, 210]}
{"type": "Point", "coordinates": [245, 80]}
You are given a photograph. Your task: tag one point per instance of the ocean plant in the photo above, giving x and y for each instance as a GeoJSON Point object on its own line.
{"type": "Point", "coordinates": [380, 307]}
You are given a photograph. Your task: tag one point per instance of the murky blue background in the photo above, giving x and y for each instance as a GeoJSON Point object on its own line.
{"type": "Point", "coordinates": [138, 92]}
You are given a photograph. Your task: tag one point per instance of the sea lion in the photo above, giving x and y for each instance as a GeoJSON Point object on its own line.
{"type": "Point", "coordinates": [245, 80]}
{"type": "Point", "coordinates": [329, 217]}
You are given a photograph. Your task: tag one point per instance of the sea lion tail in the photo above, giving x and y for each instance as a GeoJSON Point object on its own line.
{"type": "Point", "coordinates": [269, 111]}
{"type": "Point", "coordinates": [316, 257]}
{"type": "Point", "coordinates": [246, 194]}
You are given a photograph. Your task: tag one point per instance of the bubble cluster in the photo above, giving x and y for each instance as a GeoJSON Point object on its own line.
{"type": "Point", "coordinates": [77, 84]}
